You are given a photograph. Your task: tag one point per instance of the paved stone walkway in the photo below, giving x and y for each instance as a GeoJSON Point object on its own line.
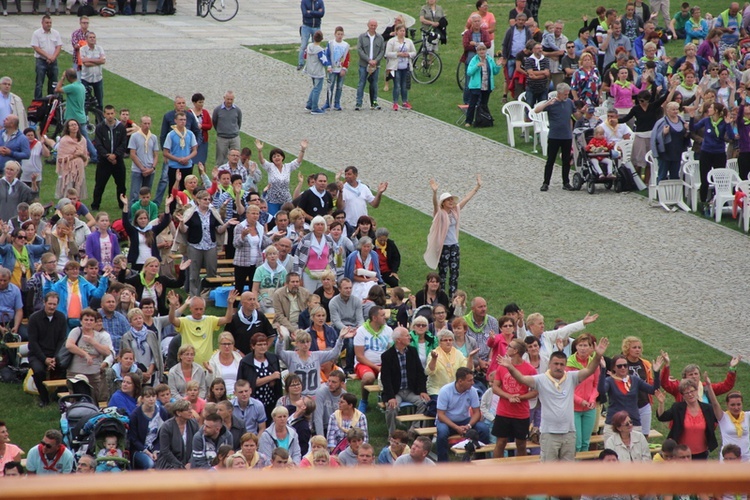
{"type": "Point", "coordinates": [679, 269]}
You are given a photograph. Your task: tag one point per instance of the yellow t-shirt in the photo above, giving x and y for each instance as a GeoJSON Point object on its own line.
{"type": "Point", "coordinates": [200, 335]}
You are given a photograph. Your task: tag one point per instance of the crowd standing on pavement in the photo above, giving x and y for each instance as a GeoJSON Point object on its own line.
{"type": "Point", "coordinates": [315, 294]}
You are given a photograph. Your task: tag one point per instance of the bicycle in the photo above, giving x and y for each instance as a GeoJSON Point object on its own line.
{"type": "Point", "coordinates": [427, 64]}
{"type": "Point", "coordinates": [221, 10]}
{"type": "Point", "coordinates": [49, 111]}
{"type": "Point", "coordinates": [461, 74]}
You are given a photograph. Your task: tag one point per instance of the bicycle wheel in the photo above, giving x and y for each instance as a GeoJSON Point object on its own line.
{"type": "Point", "coordinates": [427, 67]}
{"type": "Point", "coordinates": [461, 74]}
{"type": "Point", "coordinates": [203, 8]}
{"type": "Point", "coordinates": [94, 117]}
{"type": "Point", "coordinates": [224, 10]}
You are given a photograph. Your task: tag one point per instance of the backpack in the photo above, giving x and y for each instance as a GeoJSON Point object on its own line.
{"type": "Point", "coordinates": [626, 179]}
{"type": "Point", "coordinates": [86, 10]}
{"type": "Point", "coordinates": [483, 117]}
{"type": "Point", "coordinates": [109, 11]}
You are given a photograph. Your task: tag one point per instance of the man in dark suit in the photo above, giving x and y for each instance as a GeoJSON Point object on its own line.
{"type": "Point", "coordinates": [403, 377]}
{"type": "Point", "coordinates": [48, 330]}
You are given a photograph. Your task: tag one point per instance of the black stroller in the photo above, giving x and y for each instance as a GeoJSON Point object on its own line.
{"type": "Point", "coordinates": [75, 411]}
{"type": "Point", "coordinates": [585, 172]}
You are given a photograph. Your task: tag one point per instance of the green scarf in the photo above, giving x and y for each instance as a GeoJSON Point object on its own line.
{"type": "Point", "coordinates": [143, 280]}
{"type": "Point", "coordinates": [574, 363]}
{"type": "Point", "coordinates": [23, 258]}
{"type": "Point", "coordinates": [687, 87]}
{"type": "Point", "coordinates": [622, 84]}
{"type": "Point", "coordinates": [470, 321]}
{"type": "Point", "coordinates": [715, 125]}
{"type": "Point", "coordinates": [369, 328]}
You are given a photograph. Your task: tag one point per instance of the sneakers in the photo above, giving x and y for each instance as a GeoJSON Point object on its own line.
{"type": "Point", "coordinates": [568, 187]}
{"type": "Point", "coordinates": [362, 406]}
{"type": "Point", "coordinates": [545, 187]}
{"type": "Point", "coordinates": [326, 107]}
{"type": "Point", "coordinates": [338, 108]}
{"type": "Point", "coordinates": [317, 112]}
{"type": "Point", "coordinates": [395, 107]}
{"type": "Point", "coordinates": [300, 66]}
{"type": "Point", "coordinates": [357, 107]}
{"type": "Point", "coordinates": [406, 105]}
{"type": "Point", "coordinates": [375, 105]}
{"type": "Point", "coordinates": [308, 108]}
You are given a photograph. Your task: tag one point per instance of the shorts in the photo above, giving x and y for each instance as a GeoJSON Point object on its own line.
{"type": "Point", "coordinates": [506, 428]}
{"type": "Point", "coordinates": [361, 369]}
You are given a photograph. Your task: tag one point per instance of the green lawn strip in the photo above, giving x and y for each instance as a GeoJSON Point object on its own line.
{"type": "Point", "coordinates": [510, 278]}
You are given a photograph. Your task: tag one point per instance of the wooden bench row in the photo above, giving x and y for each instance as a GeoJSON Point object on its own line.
{"type": "Point", "coordinates": [527, 459]}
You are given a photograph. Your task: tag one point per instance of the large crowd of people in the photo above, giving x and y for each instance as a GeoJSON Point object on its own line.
{"type": "Point", "coordinates": [316, 295]}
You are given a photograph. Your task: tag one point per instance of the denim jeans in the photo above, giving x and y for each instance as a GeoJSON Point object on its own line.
{"type": "Point", "coordinates": [443, 432]}
{"type": "Point", "coordinates": [163, 184]}
{"type": "Point", "coordinates": [533, 98]}
{"type": "Point", "coordinates": [313, 101]}
{"type": "Point", "coordinates": [400, 80]}
{"type": "Point", "coordinates": [335, 86]}
{"type": "Point", "coordinates": [45, 69]}
{"type": "Point", "coordinates": [137, 181]}
{"type": "Point", "coordinates": [364, 78]}
{"type": "Point", "coordinates": [141, 461]}
{"type": "Point", "coordinates": [668, 168]}
{"type": "Point", "coordinates": [306, 33]}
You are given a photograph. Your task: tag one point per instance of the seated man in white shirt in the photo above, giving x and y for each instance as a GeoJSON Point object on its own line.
{"type": "Point", "coordinates": [614, 131]}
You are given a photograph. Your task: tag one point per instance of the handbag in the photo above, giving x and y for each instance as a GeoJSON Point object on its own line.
{"type": "Point", "coordinates": [64, 357]}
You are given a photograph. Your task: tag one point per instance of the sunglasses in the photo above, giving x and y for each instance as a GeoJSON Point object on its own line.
{"type": "Point", "coordinates": [421, 324]}
{"type": "Point", "coordinates": [621, 366]}
{"type": "Point", "coordinates": [46, 445]}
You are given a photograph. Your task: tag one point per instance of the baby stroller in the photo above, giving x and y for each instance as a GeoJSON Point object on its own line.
{"type": "Point", "coordinates": [75, 411]}
{"type": "Point", "coordinates": [110, 460]}
{"type": "Point", "coordinates": [585, 173]}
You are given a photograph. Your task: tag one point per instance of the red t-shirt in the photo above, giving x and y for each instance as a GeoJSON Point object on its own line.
{"type": "Point", "coordinates": [514, 410]}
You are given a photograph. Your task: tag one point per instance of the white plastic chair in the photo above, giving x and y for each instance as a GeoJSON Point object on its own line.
{"type": "Point", "coordinates": [688, 155]}
{"type": "Point", "coordinates": [552, 95]}
{"type": "Point", "coordinates": [691, 182]}
{"type": "Point", "coordinates": [626, 148]}
{"type": "Point", "coordinates": [670, 195]}
{"type": "Point", "coordinates": [522, 97]}
{"type": "Point", "coordinates": [600, 111]}
{"type": "Point", "coordinates": [743, 215]}
{"type": "Point", "coordinates": [541, 129]}
{"type": "Point", "coordinates": [653, 166]}
{"type": "Point", "coordinates": [515, 114]}
{"type": "Point", "coordinates": [723, 180]}
{"type": "Point", "coordinates": [732, 164]}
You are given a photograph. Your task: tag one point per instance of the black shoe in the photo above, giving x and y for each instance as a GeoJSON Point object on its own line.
{"type": "Point", "coordinates": [568, 187]}
{"type": "Point", "coordinates": [42, 404]}
{"type": "Point", "coordinates": [545, 187]}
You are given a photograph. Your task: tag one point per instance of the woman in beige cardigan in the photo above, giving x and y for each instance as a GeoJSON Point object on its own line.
{"type": "Point", "coordinates": [442, 240]}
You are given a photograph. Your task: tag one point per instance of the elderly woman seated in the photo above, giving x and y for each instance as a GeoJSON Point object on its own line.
{"type": "Point", "coordinates": [280, 435]}
{"type": "Point", "coordinates": [186, 370]}
{"type": "Point", "coordinates": [443, 363]}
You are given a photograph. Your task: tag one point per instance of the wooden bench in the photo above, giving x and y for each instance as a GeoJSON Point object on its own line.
{"type": "Point", "coordinates": [595, 439]}
{"type": "Point", "coordinates": [415, 417]}
{"type": "Point", "coordinates": [55, 384]}
{"type": "Point", "coordinates": [15, 345]}
{"type": "Point", "coordinates": [372, 388]}
{"type": "Point", "coordinates": [221, 270]}
{"type": "Point", "coordinates": [220, 280]}
{"type": "Point", "coordinates": [526, 459]}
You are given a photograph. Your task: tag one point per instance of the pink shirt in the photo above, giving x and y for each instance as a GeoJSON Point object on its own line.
{"type": "Point", "coordinates": [315, 263]}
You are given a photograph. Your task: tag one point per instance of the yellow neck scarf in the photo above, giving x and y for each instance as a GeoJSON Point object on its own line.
{"type": "Point", "coordinates": [737, 422]}
{"type": "Point", "coordinates": [558, 383]}
{"type": "Point", "coordinates": [381, 247]}
{"type": "Point", "coordinates": [180, 135]}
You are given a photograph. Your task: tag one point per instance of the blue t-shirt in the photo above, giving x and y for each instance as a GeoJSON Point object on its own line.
{"type": "Point", "coordinates": [179, 148]}
{"type": "Point", "coordinates": [456, 404]}
{"type": "Point", "coordinates": [35, 464]}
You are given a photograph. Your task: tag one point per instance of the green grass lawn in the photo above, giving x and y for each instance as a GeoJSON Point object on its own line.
{"type": "Point", "coordinates": [535, 289]}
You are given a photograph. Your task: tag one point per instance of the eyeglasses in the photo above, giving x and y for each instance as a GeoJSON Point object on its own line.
{"type": "Point", "coordinates": [446, 340]}
{"type": "Point", "coordinates": [226, 344]}
{"type": "Point", "coordinates": [423, 325]}
{"type": "Point", "coordinates": [627, 422]}
{"type": "Point", "coordinates": [509, 325]}
{"type": "Point", "coordinates": [713, 69]}
{"type": "Point", "coordinates": [621, 366]}
{"type": "Point", "coordinates": [690, 391]}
